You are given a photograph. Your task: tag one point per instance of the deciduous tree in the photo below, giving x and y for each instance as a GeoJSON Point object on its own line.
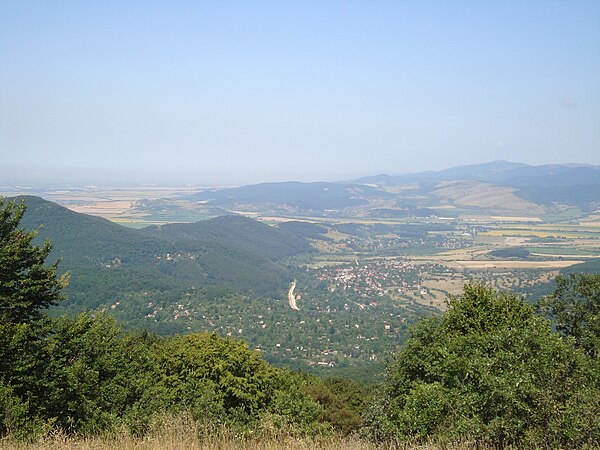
{"type": "Point", "coordinates": [491, 370]}
{"type": "Point", "coordinates": [575, 307]}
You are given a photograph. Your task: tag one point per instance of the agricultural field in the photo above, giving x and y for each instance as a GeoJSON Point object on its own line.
{"type": "Point", "coordinates": [134, 207]}
{"type": "Point", "coordinates": [512, 251]}
{"type": "Point", "coordinates": [414, 260]}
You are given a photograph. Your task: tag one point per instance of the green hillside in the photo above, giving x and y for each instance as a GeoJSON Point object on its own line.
{"type": "Point", "coordinates": [248, 234]}
{"type": "Point", "coordinates": [497, 188]}
{"type": "Point", "coordinates": [193, 277]}
{"type": "Point", "coordinates": [83, 240]}
{"type": "Point", "coordinates": [108, 261]}
{"type": "Point", "coordinates": [292, 196]}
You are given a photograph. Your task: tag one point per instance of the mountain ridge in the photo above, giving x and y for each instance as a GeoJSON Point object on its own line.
{"type": "Point", "coordinates": [536, 189]}
{"type": "Point", "coordinates": [489, 171]}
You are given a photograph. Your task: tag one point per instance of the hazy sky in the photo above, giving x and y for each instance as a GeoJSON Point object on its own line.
{"type": "Point", "coordinates": [230, 91]}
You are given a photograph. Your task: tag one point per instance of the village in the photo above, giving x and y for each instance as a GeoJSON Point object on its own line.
{"type": "Point", "coordinates": [370, 279]}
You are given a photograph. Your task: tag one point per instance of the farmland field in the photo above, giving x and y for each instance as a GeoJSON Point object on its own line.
{"type": "Point", "coordinates": [432, 256]}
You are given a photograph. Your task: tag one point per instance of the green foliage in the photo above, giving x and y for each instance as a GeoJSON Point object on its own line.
{"type": "Point", "coordinates": [305, 229]}
{"type": "Point", "coordinates": [99, 252]}
{"type": "Point", "coordinates": [489, 370]}
{"type": "Point", "coordinates": [343, 402]}
{"type": "Point", "coordinates": [590, 266]}
{"type": "Point", "coordinates": [85, 375]}
{"type": "Point", "coordinates": [239, 231]}
{"type": "Point", "coordinates": [517, 253]}
{"type": "Point", "coordinates": [575, 307]}
{"type": "Point", "coordinates": [15, 419]}
{"type": "Point", "coordinates": [291, 408]}
{"type": "Point", "coordinates": [81, 374]}
{"type": "Point", "coordinates": [27, 285]}
{"type": "Point", "coordinates": [200, 368]}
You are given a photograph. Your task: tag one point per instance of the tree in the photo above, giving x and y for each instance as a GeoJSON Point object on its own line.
{"type": "Point", "coordinates": [215, 376]}
{"type": "Point", "coordinates": [27, 284]}
{"type": "Point", "coordinates": [575, 308]}
{"type": "Point", "coordinates": [492, 371]}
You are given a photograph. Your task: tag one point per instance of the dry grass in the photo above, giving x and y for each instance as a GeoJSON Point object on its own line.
{"type": "Point", "coordinates": [512, 264]}
{"type": "Point", "coordinates": [484, 195]}
{"type": "Point", "coordinates": [108, 209]}
{"type": "Point", "coordinates": [189, 441]}
{"type": "Point", "coordinates": [537, 233]}
{"type": "Point", "coordinates": [183, 433]}
{"type": "Point", "coordinates": [513, 219]}
{"type": "Point", "coordinates": [171, 441]}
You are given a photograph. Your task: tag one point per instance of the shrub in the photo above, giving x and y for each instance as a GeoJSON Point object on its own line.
{"type": "Point", "coordinates": [489, 369]}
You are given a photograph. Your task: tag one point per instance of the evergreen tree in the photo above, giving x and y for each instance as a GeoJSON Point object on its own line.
{"type": "Point", "coordinates": [27, 284]}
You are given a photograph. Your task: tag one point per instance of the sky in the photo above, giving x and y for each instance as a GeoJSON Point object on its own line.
{"type": "Point", "coordinates": [234, 92]}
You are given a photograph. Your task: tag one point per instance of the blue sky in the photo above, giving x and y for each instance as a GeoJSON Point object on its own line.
{"type": "Point", "coordinates": [235, 92]}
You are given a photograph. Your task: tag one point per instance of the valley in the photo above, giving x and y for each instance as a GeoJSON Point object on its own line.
{"type": "Point", "coordinates": [365, 260]}
{"type": "Point", "coordinates": [300, 225]}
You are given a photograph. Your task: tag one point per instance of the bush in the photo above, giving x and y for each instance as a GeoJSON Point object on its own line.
{"type": "Point", "coordinates": [15, 419]}
{"type": "Point", "coordinates": [489, 370]}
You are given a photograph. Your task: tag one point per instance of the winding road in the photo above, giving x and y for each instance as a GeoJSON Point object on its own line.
{"type": "Point", "coordinates": [291, 296]}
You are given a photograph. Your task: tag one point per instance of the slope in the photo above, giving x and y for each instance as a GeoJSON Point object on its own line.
{"type": "Point", "coordinates": [239, 231]}
{"type": "Point", "coordinates": [569, 184]}
{"type": "Point", "coordinates": [108, 261]}
{"type": "Point", "coordinates": [292, 196]}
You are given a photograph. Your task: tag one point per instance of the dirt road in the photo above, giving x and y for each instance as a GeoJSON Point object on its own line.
{"type": "Point", "coordinates": [291, 297]}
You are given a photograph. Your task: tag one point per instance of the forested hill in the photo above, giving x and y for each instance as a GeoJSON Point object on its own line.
{"type": "Point", "coordinates": [251, 235]}
{"type": "Point", "coordinates": [498, 188]}
{"type": "Point", "coordinates": [83, 240]}
{"type": "Point", "coordinates": [108, 261]}
{"type": "Point", "coordinates": [292, 196]}
{"type": "Point", "coordinates": [571, 184]}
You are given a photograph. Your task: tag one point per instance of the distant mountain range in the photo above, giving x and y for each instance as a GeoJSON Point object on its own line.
{"type": "Point", "coordinates": [500, 172]}
{"type": "Point", "coordinates": [499, 187]}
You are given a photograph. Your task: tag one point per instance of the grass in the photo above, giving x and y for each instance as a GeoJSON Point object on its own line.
{"type": "Point", "coordinates": [183, 432]}
{"type": "Point", "coordinates": [563, 251]}
{"type": "Point", "coordinates": [536, 233]}
{"type": "Point", "coordinates": [566, 214]}
{"type": "Point", "coordinates": [512, 264]}
{"type": "Point", "coordinates": [187, 439]}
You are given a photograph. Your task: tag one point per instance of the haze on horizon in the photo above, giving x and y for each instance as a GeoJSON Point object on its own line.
{"type": "Point", "coordinates": [241, 92]}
